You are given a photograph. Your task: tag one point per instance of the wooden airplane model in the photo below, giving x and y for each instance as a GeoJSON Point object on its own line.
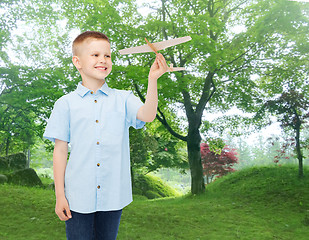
{"type": "Point", "coordinates": [155, 47]}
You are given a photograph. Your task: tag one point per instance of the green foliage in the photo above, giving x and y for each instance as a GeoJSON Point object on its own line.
{"type": "Point", "coordinates": [152, 195]}
{"type": "Point", "coordinates": [27, 177]}
{"type": "Point", "coordinates": [177, 179]}
{"type": "Point", "coordinates": [271, 43]}
{"type": "Point", "coordinates": [152, 187]}
{"type": "Point", "coordinates": [15, 161]}
{"type": "Point", "coordinates": [41, 157]}
{"type": "Point", "coordinates": [26, 99]}
{"type": "Point", "coordinates": [216, 145]}
{"type": "Point", "coordinates": [150, 152]}
{"type": "Point", "coordinates": [291, 108]}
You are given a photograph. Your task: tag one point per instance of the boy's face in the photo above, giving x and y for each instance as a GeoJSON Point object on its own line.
{"type": "Point", "coordinates": [93, 59]}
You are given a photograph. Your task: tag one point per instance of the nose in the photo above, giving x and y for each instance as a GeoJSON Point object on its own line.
{"type": "Point", "coordinates": [103, 60]}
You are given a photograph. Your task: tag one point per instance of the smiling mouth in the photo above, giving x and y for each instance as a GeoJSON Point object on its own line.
{"type": "Point", "coordinates": [101, 68]}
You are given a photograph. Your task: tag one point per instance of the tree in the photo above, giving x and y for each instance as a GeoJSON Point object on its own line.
{"type": "Point", "coordinates": [149, 153]}
{"type": "Point", "coordinates": [217, 163]}
{"type": "Point", "coordinates": [26, 98]}
{"type": "Point", "coordinates": [27, 90]}
{"type": "Point", "coordinates": [292, 110]}
{"type": "Point", "coordinates": [284, 81]}
{"type": "Point", "coordinates": [221, 59]}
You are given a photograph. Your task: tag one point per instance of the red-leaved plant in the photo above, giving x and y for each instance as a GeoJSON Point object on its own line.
{"type": "Point", "coordinates": [217, 165]}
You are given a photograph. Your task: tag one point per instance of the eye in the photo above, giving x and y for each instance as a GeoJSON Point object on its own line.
{"type": "Point", "coordinates": [107, 56]}
{"type": "Point", "coordinates": [95, 55]}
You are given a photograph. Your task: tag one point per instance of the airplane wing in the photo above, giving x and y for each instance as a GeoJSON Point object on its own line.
{"type": "Point", "coordinates": [171, 42]}
{"type": "Point", "coordinates": [158, 46]}
{"type": "Point", "coordinates": [139, 49]}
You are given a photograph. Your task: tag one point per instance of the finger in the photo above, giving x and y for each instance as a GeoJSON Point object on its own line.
{"type": "Point", "coordinates": [160, 57]}
{"type": "Point", "coordinates": [62, 216]}
{"type": "Point", "coordinates": [161, 61]}
{"type": "Point", "coordinates": [156, 63]}
{"type": "Point", "coordinates": [68, 212]}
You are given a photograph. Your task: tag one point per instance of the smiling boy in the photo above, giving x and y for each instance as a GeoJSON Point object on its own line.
{"type": "Point", "coordinates": [94, 186]}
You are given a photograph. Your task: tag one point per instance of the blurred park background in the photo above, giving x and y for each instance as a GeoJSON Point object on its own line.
{"type": "Point", "coordinates": [226, 157]}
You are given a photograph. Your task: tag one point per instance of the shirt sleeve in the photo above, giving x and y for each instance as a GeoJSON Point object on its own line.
{"type": "Point", "coordinates": [133, 104]}
{"type": "Point", "coordinates": [58, 125]}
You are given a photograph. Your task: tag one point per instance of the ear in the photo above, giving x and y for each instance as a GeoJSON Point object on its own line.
{"type": "Point", "coordinates": [76, 62]}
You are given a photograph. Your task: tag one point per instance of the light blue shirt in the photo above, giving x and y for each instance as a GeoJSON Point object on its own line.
{"type": "Point", "coordinates": [97, 176]}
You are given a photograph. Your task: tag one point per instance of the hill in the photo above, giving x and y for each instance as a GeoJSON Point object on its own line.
{"type": "Point", "coordinates": [268, 185]}
{"type": "Point", "coordinates": [257, 203]}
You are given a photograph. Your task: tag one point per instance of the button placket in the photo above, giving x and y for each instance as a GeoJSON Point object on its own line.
{"type": "Point", "coordinates": [97, 159]}
{"type": "Point", "coordinates": [96, 117]}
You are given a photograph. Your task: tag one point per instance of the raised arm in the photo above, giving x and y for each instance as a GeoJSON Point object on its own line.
{"type": "Point", "coordinates": [148, 111]}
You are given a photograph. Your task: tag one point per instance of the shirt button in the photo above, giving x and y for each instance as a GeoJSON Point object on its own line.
{"type": "Point", "coordinates": [98, 187]}
{"type": "Point", "coordinates": [95, 101]}
{"type": "Point", "coordinates": [98, 164]}
{"type": "Point", "coordinates": [96, 121]}
{"type": "Point", "coordinates": [91, 92]}
{"type": "Point", "coordinates": [98, 143]}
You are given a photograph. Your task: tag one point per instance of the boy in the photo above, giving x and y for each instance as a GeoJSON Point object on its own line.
{"type": "Point", "coordinates": [94, 186]}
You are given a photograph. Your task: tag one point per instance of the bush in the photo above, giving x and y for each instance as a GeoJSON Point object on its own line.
{"type": "Point", "coordinates": [4, 165]}
{"type": "Point", "coordinates": [152, 187]}
{"type": "Point", "coordinates": [13, 162]}
{"type": "Point", "coordinates": [17, 161]}
{"type": "Point", "coordinates": [26, 177]}
{"type": "Point", "coordinates": [3, 179]}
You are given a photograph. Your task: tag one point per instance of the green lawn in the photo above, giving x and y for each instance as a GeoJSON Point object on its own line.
{"type": "Point", "coordinates": [257, 203]}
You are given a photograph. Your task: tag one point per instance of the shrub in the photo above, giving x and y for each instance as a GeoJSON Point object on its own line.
{"type": "Point", "coordinates": [152, 187]}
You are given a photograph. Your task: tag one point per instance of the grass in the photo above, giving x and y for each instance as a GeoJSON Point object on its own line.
{"type": "Point", "coordinates": [256, 203]}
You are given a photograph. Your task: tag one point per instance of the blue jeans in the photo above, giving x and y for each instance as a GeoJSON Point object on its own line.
{"type": "Point", "coordinates": [93, 226]}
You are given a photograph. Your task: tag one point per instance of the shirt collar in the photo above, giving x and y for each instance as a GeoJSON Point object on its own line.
{"type": "Point", "coordinates": [82, 90]}
{"type": "Point", "coordinates": [105, 88]}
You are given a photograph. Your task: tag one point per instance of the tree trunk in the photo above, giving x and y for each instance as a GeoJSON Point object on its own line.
{"type": "Point", "coordinates": [194, 155]}
{"type": "Point", "coordinates": [299, 153]}
{"type": "Point", "coordinates": [28, 158]}
{"type": "Point", "coordinates": [7, 145]}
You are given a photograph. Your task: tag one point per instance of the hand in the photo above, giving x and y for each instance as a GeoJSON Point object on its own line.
{"type": "Point", "coordinates": [62, 209]}
{"type": "Point", "coordinates": [158, 68]}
